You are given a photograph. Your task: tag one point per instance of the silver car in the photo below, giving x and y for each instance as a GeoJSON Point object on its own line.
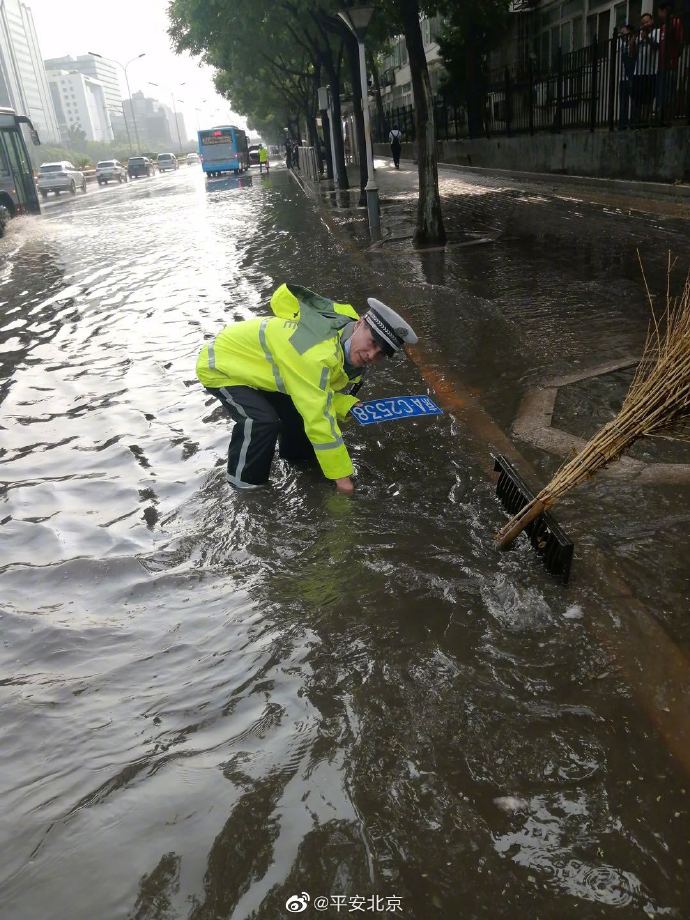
{"type": "Point", "coordinates": [60, 177]}
{"type": "Point", "coordinates": [167, 161]}
{"type": "Point", "coordinates": [110, 171]}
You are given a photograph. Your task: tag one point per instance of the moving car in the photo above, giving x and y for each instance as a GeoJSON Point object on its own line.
{"type": "Point", "coordinates": [167, 161]}
{"type": "Point", "coordinates": [110, 170]}
{"type": "Point", "coordinates": [254, 155]}
{"type": "Point", "coordinates": [192, 158]}
{"type": "Point", "coordinates": [60, 177]}
{"type": "Point", "coordinates": [139, 166]}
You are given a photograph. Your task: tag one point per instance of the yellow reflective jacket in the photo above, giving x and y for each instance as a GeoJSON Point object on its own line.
{"type": "Point", "coordinates": [263, 155]}
{"type": "Point", "coordinates": [298, 352]}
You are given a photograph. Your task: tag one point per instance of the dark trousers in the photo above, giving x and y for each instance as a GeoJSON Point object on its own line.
{"type": "Point", "coordinates": [642, 94]}
{"type": "Point", "coordinates": [624, 100]}
{"type": "Point", "coordinates": [261, 418]}
{"type": "Point", "coordinates": [395, 150]}
{"type": "Point", "coordinates": [666, 81]}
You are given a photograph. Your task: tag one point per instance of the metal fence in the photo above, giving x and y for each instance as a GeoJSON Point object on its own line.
{"type": "Point", "coordinates": [307, 161]}
{"type": "Point", "coordinates": [619, 84]}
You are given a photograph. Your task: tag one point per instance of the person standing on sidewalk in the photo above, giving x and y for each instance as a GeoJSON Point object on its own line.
{"type": "Point", "coordinates": [289, 378]}
{"type": "Point", "coordinates": [395, 140]}
{"type": "Point", "coordinates": [644, 77]}
{"type": "Point", "coordinates": [670, 39]}
{"type": "Point", "coordinates": [627, 51]}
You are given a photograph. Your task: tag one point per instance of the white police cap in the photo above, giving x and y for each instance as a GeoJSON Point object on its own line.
{"type": "Point", "coordinates": [388, 327]}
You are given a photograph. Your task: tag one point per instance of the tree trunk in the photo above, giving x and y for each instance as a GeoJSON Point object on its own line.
{"type": "Point", "coordinates": [326, 125]}
{"type": "Point", "coordinates": [334, 81]}
{"type": "Point", "coordinates": [312, 133]}
{"type": "Point", "coordinates": [429, 229]}
{"type": "Point", "coordinates": [293, 127]}
{"type": "Point", "coordinates": [341, 169]}
{"type": "Point", "coordinates": [380, 134]}
{"type": "Point", "coordinates": [352, 50]}
{"type": "Point", "coordinates": [315, 115]}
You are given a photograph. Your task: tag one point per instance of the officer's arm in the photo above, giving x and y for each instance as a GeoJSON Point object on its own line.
{"type": "Point", "coordinates": [307, 383]}
{"type": "Point", "coordinates": [342, 403]}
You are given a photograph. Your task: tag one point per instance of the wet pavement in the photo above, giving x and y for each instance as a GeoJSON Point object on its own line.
{"type": "Point", "coordinates": [214, 702]}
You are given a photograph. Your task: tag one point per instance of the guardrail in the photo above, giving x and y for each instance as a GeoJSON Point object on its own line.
{"type": "Point", "coordinates": [634, 81]}
{"type": "Point", "coordinates": [308, 163]}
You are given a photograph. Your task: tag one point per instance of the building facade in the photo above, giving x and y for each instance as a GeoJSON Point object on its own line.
{"type": "Point", "coordinates": [23, 83]}
{"type": "Point", "coordinates": [106, 73]}
{"type": "Point", "coordinates": [395, 79]}
{"type": "Point", "coordinates": [542, 28]}
{"type": "Point", "coordinates": [539, 29]}
{"type": "Point", "coordinates": [152, 122]}
{"type": "Point", "coordinates": [80, 105]}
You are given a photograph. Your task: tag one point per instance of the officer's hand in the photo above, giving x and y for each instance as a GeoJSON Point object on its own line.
{"type": "Point", "coordinates": [345, 485]}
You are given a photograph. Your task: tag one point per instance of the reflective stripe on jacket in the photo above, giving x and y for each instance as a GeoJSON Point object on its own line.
{"type": "Point", "coordinates": [298, 352]}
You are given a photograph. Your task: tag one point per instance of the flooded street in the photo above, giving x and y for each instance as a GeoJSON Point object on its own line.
{"type": "Point", "coordinates": [212, 701]}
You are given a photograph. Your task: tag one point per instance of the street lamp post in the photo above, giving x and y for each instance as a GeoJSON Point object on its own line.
{"type": "Point", "coordinates": [129, 138]}
{"type": "Point", "coordinates": [129, 93]}
{"type": "Point", "coordinates": [197, 109]}
{"type": "Point", "coordinates": [177, 124]}
{"type": "Point", "coordinates": [357, 19]}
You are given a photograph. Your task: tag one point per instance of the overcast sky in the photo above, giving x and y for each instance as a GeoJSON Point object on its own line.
{"type": "Point", "coordinates": [121, 30]}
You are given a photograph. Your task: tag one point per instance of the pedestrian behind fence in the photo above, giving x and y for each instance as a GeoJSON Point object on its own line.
{"type": "Point", "coordinates": [395, 139]}
{"type": "Point", "coordinates": [644, 77]}
{"type": "Point", "coordinates": [669, 36]}
{"type": "Point", "coordinates": [626, 52]}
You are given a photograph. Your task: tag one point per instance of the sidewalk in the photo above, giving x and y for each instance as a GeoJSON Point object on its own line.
{"type": "Point", "coordinates": [646, 197]}
{"type": "Point", "coordinates": [531, 321]}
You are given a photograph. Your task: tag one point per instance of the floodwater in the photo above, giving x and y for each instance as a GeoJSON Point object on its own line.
{"type": "Point", "coordinates": [212, 702]}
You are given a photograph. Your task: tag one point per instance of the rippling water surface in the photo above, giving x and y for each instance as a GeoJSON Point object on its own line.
{"type": "Point", "coordinates": [213, 702]}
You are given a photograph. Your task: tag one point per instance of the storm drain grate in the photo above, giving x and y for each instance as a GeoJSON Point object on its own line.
{"type": "Point", "coordinates": [547, 538]}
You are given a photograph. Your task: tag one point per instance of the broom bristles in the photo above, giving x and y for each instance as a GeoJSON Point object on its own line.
{"type": "Point", "coordinates": [657, 403]}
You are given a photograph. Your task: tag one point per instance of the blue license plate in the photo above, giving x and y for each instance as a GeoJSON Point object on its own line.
{"type": "Point", "coordinates": [394, 407]}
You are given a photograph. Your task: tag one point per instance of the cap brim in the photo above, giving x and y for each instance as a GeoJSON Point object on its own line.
{"type": "Point", "coordinates": [410, 336]}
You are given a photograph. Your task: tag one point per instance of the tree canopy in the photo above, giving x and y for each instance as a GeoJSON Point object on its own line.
{"type": "Point", "coordinates": [271, 58]}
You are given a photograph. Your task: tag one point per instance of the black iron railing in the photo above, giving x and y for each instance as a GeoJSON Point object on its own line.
{"type": "Point", "coordinates": [619, 84]}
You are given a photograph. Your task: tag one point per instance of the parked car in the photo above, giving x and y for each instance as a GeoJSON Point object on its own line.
{"type": "Point", "coordinates": [139, 166]}
{"type": "Point", "coordinates": [167, 161]}
{"type": "Point", "coordinates": [110, 170]}
{"type": "Point", "coordinates": [60, 177]}
{"type": "Point", "coordinates": [193, 158]}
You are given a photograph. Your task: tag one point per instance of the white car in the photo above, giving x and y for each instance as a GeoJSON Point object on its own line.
{"type": "Point", "coordinates": [60, 177]}
{"type": "Point", "coordinates": [192, 158]}
{"type": "Point", "coordinates": [110, 170]}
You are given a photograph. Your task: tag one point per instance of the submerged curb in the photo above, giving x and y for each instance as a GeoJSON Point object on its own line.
{"type": "Point", "coordinates": [623, 186]}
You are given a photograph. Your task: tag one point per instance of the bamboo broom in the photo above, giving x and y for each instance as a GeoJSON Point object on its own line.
{"type": "Point", "coordinates": [657, 405]}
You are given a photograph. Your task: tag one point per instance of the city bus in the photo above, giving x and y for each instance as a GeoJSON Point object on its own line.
{"type": "Point", "coordinates": [17, 188]}
{"type": "Point", "coordinates": [223, 149]}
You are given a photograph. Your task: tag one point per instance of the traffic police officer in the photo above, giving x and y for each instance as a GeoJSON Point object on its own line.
{"type": "Point", "coordinates": [290, 378]}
